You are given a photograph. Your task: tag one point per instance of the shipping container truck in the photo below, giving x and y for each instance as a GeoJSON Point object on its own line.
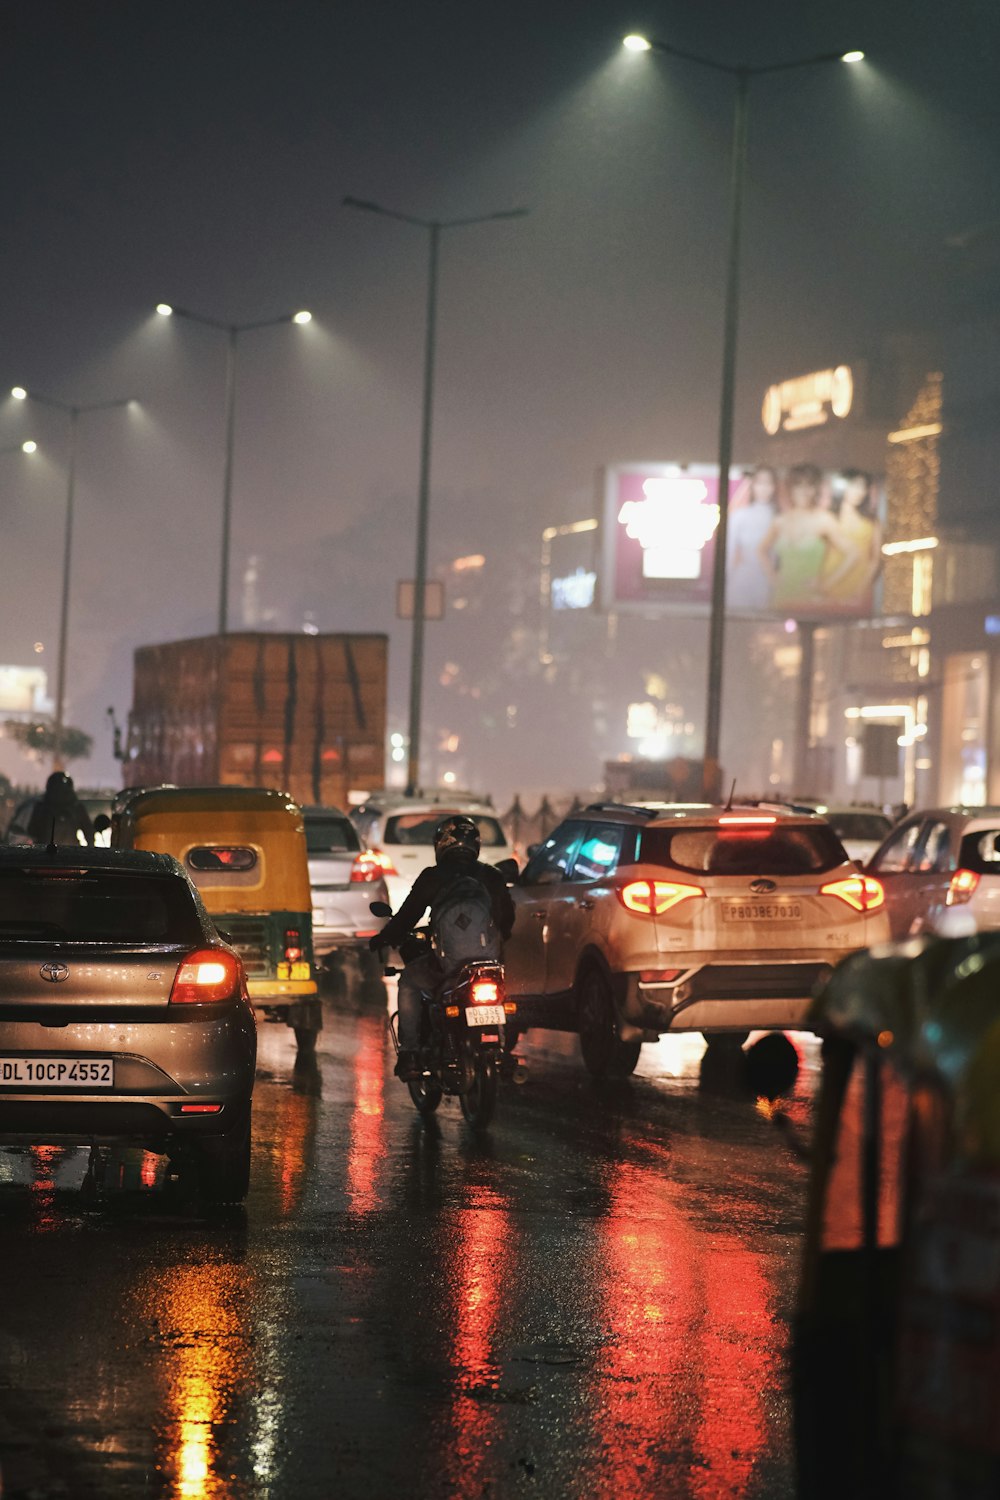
{"type": "Point", "coordinates": [302, 713]}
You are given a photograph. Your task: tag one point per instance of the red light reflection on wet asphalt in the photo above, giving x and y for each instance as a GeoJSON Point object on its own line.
{"type": "Point", "coordinates": [367, 1145]}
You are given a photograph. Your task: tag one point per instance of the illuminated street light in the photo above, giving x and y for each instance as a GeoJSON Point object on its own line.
{"type": "Point", "coordinates": [232, 332]}
{"type": "Point", "coordinates": [717, 621]}
{"type": "Point", "coordinates": [434, 228]}
{"type": "Point", "coordinates": [74, 412]}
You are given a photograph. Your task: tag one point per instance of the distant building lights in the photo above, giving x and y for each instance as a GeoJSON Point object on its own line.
{"type": "Point", "coordinates": [29, 447]}
{"type": "Point", "coordinates": [914, 434]}
{"type": "Point", "coordinates": [464, 564]}
{"type": "Point", "coordinates": [921, 544]}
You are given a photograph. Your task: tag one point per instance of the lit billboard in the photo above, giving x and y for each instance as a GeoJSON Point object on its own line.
{"type": "Point", "coordinates": [802, 543]}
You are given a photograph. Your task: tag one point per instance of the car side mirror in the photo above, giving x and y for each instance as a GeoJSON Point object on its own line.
{"type": "Point", "coordinates": [508, 869]}
{"type": "Point", "coordinates": [380, 908]}
{"type": "Point", "coordinates": [533, 850]}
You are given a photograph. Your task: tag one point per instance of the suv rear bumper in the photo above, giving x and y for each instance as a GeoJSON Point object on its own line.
{"type": "Point", "coordinates": [726, 997]}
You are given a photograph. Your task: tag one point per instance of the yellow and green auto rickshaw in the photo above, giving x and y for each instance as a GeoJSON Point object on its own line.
{"type": "Point", "coordinates": [245, 850]}
{"type": "Point", "coordinates": [896, 1349]}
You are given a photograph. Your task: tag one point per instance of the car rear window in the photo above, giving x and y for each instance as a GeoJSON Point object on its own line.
{"type": "Point", "coordinates": [418, 828]}
{"type": "Point", "coordinates": [743, 851]}
{"type": "Point", "coordinates": [86, 906]}
{"type": "Point", "coordinates": [980, 852]}
{"type": "Point", "coordinates": [331, 836]}
{"type": "Point", "coordinates": [859, 825]}
{"type": "Point", "coordinates": [222, 857]}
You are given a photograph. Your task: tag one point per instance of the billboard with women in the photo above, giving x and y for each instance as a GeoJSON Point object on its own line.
{"type": "Point", "coordinates": [803, 543]}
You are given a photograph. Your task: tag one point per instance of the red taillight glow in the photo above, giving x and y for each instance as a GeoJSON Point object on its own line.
{"type": "Point", "coordinates": [365, 869]}
{"type": "Point", "coordinates": [962, 887]}
{"type": "Point", "coordinates": [383, 860]}
{"type": "Point", "coordinates": [484, 992]}
{"type": "Point", "coordinates": [208, 975]}
{"type": "Point", "coordinates": [201, 1109]}
{"type": "Point", "coordinates": [755, 818]}
{"type": "Point", "coordinates": [293, 945]}
{"type": "Point", "coordinates": [658, 976]}
{"type": "Point", "coordinates": [654, 897]}
{"type": "Point", "coordinates": [861, 892]}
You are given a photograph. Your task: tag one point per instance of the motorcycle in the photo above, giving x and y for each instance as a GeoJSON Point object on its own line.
{"type": "Point", "coordinates": [462, 1040]}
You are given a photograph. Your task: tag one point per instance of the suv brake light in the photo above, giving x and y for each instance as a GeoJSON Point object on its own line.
{"type": "Point", "coordinates": [862, 892]}
{"type": "Point", "coordinates": [962, 887]}
{"type": "Point", "coordinates": [206, 976]}
{"type": "Point", "coordinates": [654, 897]}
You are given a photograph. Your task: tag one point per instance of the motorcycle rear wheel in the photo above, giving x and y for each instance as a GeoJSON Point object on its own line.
{"type": "Point", "coordinates": [480, 1100]}
{"type": "Point", "coordinates": [425, 1093]}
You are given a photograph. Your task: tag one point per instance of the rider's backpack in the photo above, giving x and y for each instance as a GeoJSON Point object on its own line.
{"type": "Point", "coordinates": [462, 924]}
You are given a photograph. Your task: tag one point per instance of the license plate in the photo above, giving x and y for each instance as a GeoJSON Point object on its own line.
{"type": "Point", "coordinates": [485, 1015]}
{"type": "Point", "coordinates": [762, 911]}
{"type": "Point", "coordinates": [57, 1072]}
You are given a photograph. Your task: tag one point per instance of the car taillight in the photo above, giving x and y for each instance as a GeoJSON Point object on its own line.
{"type": "Point", "coordinates": [384, 861]}
{"type": "Point", "coordinates": [962, 887]}
{"type": "Point", "coordinates": [293, 945]}
{"type": "Point", "coordinates": [365, 869]}
{"type": "Point", "coordinates": [205, 976]}
{"type": "Point", "coordinates": [860, 891]}
{"type": "Point", "coordinates": [654, 897]}
{"type": "Point", "coordinates": [484, 992]}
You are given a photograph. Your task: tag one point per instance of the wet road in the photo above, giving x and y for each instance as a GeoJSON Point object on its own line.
{"type": "Point", "coordinates": [592, 1301]}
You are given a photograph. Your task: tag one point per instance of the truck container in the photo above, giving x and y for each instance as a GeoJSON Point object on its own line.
{"type": "Point", "coordinates": [302, 713]}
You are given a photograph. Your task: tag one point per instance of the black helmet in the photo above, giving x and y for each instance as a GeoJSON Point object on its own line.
{"type": "Point", "coordinates": [58, 783]}
{"type": "Point", "coordinates": [456, 835]}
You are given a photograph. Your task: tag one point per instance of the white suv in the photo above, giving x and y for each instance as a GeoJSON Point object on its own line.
{"type": "Point", "coordinates": [399, 832]}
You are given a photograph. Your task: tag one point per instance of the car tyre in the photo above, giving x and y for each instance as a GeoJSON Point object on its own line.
{"type": "Point", "coordinates": [218, 1166]}
{"type": "Point", "coordinates": [605, 1055]}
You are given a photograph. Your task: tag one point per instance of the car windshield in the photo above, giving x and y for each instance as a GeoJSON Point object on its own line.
{"type": "Point", "coordinates": [96, 906]}
{"type": "Point", "coordinates": [752, 850]}
{"type": "Point", "coordinates": [859, 825]}
{"type": "Point", "coordinates": [331, 836]}
{"type": "Point", "coordinates": [419, 827]}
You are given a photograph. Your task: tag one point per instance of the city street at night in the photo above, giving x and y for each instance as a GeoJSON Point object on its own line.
{"type": "Point", "coordinates": [593, 1297]}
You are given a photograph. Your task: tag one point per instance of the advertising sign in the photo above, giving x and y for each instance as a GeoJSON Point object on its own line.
{"type": "Point", "coordinates": [803, 543]}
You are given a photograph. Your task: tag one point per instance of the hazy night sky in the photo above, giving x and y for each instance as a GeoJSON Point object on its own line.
{"type": "Point", "coordinates": [199, 152]}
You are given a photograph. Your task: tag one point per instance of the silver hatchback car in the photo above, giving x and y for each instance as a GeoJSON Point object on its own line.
{"type": "Point", "coordinates": [124, 1017]}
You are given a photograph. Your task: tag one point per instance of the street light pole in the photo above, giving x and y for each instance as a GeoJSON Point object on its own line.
{"type": "Point", "coordinates": [74, 412]}
{"type": "Point", "coordinates": [232, 332]}
{"type": "Point", "coordinates": [727, 396]}
{"type": "Point", "coordinates": [434, 228]}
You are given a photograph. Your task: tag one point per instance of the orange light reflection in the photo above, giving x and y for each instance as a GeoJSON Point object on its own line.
{"type": "Point", "coordinates": [366, 1149]}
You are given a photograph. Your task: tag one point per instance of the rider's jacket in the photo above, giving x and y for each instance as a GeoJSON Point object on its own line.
{"type": "Point", "coordinates": [428, 887]}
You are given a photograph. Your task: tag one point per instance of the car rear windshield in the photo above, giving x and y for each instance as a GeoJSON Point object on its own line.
{"type": "Point", "coordinates": [91, 906]}
{"type": "Point", "coordinates": [331, 836]}
{"type": "Point", "coordinates": [859, 825]}
{"type": "Point", "coordinates": [743, 851]}
{"type": "Point", "coordinates": [980, 852]}
{"type": "Point", "coordinates": [418, 828]}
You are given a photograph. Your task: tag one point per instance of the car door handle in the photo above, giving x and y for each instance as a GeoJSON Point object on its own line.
{"type": "Point", "coordinates": [585, 904]}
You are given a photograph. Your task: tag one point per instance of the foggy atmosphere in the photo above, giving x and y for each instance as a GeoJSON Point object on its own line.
{"type": "Point", "coordinates": [499, 750]}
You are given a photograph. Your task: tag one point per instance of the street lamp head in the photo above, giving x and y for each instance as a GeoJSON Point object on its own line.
{"type": "Point", "coordinates": [29, 447]}
{"type": "Point", "coordinates": [636, 43]}
{"type": "Point", "coordinates": [302, 317]}
{"type": "Point", "coordinates": [164, 309]}
{"type": "Point", "coordinates": [852, 57]}
{"type": "Point", "coordinates": [19, 393]}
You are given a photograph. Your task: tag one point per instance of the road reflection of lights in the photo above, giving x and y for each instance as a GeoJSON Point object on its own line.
{"type": "Point", "coordinates": [207, 1365]}
{"type": "Point", "coordinates": [366, 1150]}
{"type": "Point", "coordinates": [43, 1188]}
{"type": "Point", "coordinates": [678, 1299]}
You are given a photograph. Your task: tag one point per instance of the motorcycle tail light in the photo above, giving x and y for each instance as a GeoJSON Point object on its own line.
{"type": "Point", "coordinates": [862, 892]}
{"type": "Point", "coordinates": [962, 887]}
{"type": "Point", "coordinates": [654, 897]}
{"type": "Point", "coordinates": [207, 975]}
{"type": "Point", "coordinates": [484, 992]}
{"type": "Point", "coordinates": [452, 1010]}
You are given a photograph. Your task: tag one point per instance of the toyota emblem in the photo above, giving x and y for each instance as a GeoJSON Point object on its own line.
{"type": "Point", "coordinates": [761, 887]}
{"type": "Point", "coordinates": [54, 973]}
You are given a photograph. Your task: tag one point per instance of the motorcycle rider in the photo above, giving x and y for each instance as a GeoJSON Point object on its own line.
{"type": "Point", "coordinates": [456, 853]}
{"type": "Point", "coordinates": [59, 815]}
